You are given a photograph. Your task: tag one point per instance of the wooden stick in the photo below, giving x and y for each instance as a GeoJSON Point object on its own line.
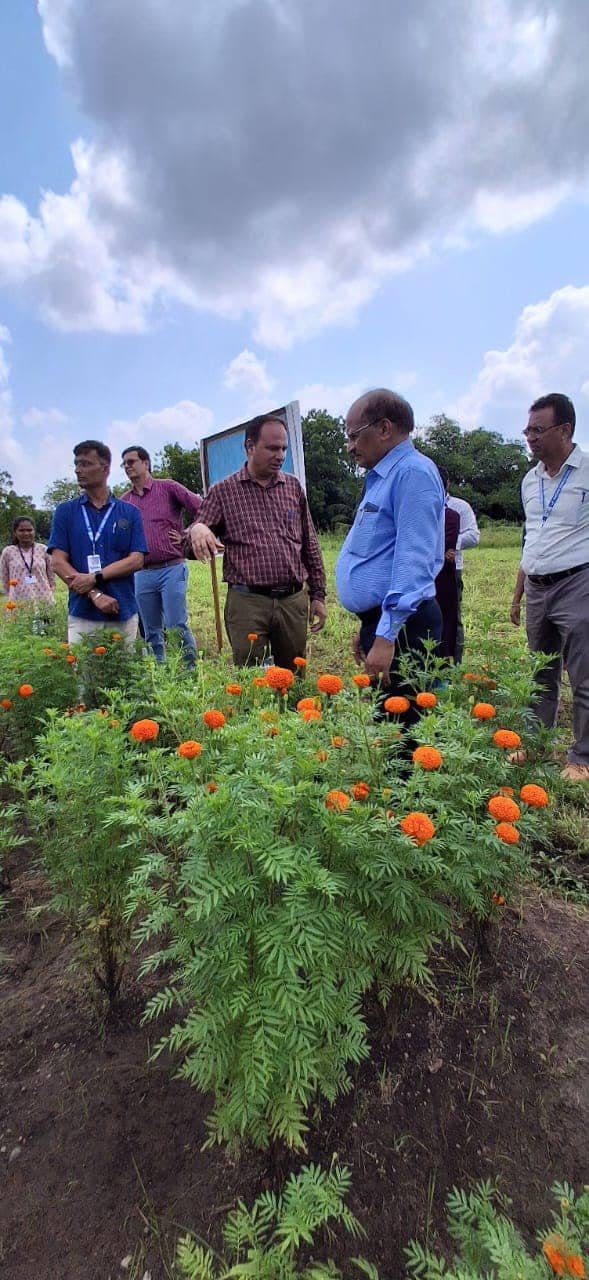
{"type": "Point", "coordinates": [216, 603]}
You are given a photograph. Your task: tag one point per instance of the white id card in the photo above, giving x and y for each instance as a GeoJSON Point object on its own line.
{"type": "Point", "coordinates": [94, 564]}
{"type": "Point", "coordinates": [30, 579]}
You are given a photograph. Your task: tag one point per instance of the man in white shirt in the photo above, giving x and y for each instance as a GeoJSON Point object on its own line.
{"type": "Point", "coordinates": [555, 565]}
{"type": "Point", "coordinates": [468, 536]}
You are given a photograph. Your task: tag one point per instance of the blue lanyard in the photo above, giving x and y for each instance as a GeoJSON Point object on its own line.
{"type": "Point", "coordinates": [556, 495]}
{"type": "Point", "coordinates": [95, 536]}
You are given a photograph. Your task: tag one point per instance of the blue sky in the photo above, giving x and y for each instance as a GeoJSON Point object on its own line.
{"type": "Point", "coordinates": [208, 210]}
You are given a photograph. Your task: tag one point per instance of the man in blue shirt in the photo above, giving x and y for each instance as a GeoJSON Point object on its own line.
{"type": "Point", "coordinates": [97, 544]}
{"type": "Point", "coordinates": [387, 567]}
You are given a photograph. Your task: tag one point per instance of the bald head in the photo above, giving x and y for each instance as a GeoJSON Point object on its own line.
{"type": "Point", "coordinates": [380, 404]}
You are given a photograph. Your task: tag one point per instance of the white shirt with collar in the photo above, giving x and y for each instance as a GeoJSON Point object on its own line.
{"type": "Point", "coordinates": [469, 535]}
{"type": "Point", "coordinates": [561, 540]}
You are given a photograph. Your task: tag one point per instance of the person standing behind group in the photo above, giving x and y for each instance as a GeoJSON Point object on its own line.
{"type": "Point", "coordinates": [446, 581]}
{"type": "Point", "coordinates": [387, 567]}
{"type": "Point", "coordinates": [468, 536]}
{"type": "Point", "coordinates": [270, 550]}
{"type": "Point", "coordinates": [555, 568]}
{"type": "Point", "coordinates": [161, 585]}
{"type": "Point", "coordinates": [26, 571]}
{"type": "Point", "coordinates": [97, 544]}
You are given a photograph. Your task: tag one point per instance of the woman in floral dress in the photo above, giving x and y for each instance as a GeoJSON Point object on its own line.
{"type": "Point", "coordinates": [26, 572]}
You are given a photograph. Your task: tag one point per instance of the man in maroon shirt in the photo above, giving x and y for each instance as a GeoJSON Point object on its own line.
{"type": "Point", "coordinates": [270, 551]}
{"type": "Point", "coordinates": [160, 587]}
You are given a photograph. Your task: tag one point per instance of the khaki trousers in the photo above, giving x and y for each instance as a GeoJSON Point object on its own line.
{"type": "Point", "coordinates": [280, 627]}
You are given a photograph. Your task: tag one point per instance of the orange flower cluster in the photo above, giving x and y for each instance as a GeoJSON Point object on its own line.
{"type": "Point", "coordinates": [47, 651]}
{"type": "Point", "coordinates": [505, 791]}
{"type": "Point", "coordinates": [337, 800]}
{"type": "Point", "coordinates": [272, 732]}
{"type": "Point", "coordinates": [360, 791]}
{"type": "Point", "coordinates": [13, 582]}
{"type": "Point", "coordinates": [6, 704]}
{"type": "Point", "coordinates": [503, 809]}
{"type": "Point", "coordinates": [234, 689]}
{"type": "Point", "coordinates": [322, 756]}
{"type": "Point", "coordinates": [310, 713]}
{"type": "Point", "coordinates": [144, 730]}
{"type": "Point", "coordinates": [260, 682]}
{"type": "Point", "coordinates": [189, 749]}
{"type": "Point", "coordinates": [116, 635]}
{"type": "Point", "coordinates": [507, 833]}
{"type": "Point", "coordinates": [562, 1262]}
{"type": "Point", "coordinates": [396, 706]}
{"type": "Point", "coordinates": [362, 681]}
{"type": "Point", "coordinates": [100, 649]}
{"type": "Point", "coordinates": [418, 826]}
{"type": "Point", "coordinates": [483, 711]}
{"type": "Point", "coordinates": [498, 899]}
{"type": "Point", "coordinates": [10, 604]}
{"type": "Point", "coordinates": [279, 678]}
{"type": "Point", "coordinates": [534, 796]}
{"type": "Point", "coordinates": [427, 757]}
{"type": "Point", "coordinates": [330, 684]}
{"type": "Point", "coordinates": [212, 786]}
{"type": "Point", "coordinates": [71, 658]}
{"type": "Point", "coordinates": [213, 719]}
{"type": "Point", "coordinates": [336, 741]}
{"type": "Point", "coordinates": [507, 739]}
{"type": "Point", "coordinates": [425, 699]}
{"type": "Point", "coordinates": [269, 717]}
{"type": "Point", "coordinates": [26, 690]}
{"type": "Point", "coordinates": [252, 636]}
{"type": "Point", "coordinates": [308, 704]}
{"type": "Point", "coordinates": [300, 662]}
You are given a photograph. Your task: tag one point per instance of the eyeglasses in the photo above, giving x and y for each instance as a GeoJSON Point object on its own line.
{"type": "Point", "coordinates": [541, 431]}
{"type": "Point", "coordinates": [351, 436]}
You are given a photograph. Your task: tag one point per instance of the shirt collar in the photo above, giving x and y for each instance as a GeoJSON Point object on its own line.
{"type": "Point", "coordinates": [244, 476]}
{"type": "Point", "coordinates": [84, 498]}
{"type": "Point", "coordinates": [390, 459]}
{"type": "Point", "coordinates": [574, 460]}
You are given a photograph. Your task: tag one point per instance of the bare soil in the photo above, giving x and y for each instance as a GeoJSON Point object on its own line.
{"type": "Point", "coordinates": [101, 1156]}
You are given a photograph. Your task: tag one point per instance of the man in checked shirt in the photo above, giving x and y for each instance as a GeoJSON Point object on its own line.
{"type": "Point", "coordinates": [260, 519]}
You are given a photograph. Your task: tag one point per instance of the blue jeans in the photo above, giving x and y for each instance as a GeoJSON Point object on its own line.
{"type": "Point", "coordinates": [161, 600]}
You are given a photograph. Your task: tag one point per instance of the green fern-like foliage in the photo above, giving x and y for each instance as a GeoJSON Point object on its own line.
{"type": "Point", "coordinates": [489, 1246]}
{"type": "Point", "coordinates": [265, 1241]}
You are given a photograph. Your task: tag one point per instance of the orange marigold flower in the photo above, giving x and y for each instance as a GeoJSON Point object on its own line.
{"type": "Point", "coordinates": [426, 699]}
{"type": "Point", "coordinates": [116, 635]}
{"type": "Point", "coordinates": [144, 730]}
{"type": "Point", "coordinates": [260, 682]}
{"type": "Point", "coordinates": [507, 833]}
{"type": "Point", "coordinates": [386, 793]}
{"type": "Point", "coordinates": [427, 757]}
{"type": "Point", "coordinates": [268, 716]}
{"type": "Point", "coordinates": [362, 681]}
{"type": "Point", "coordinates": [536, 797]}
{"type": "Point", "coordinates": [337, 800]}
{"type": "Point", "coordinates": [308, 704]}
{"type": "Point", "coordinates": [100, 649]}
{"type": "Point", "coordinates": [506, 738]}
{"type": "Point", "coordinates": [498, 899]}
{"type": "Point", "coordinates": [552, 1252]}
{"type": "Point", "coordinates": [26, 690]}
{"type": "Point", "coordinates": [360, 790]}
{"type": "Point", "coordinates": [504, 809]}
{"type": "Point", "coordinates": [189, 749]}
{"type": "Point", "coordinates": [212, 786]}
{"type": "Point", "coordinates": [418, 826]}
{"type": "Point", "coordinates": [47, 651]}
{"type": "Point", "coordinates": [115, 724]}
{"type": "Point", "coordinates": [10, 604]}
{"type": "Point", "coordinates": [300, 662]}
{"type": "Point", "coordinates": [279, 677]}
{"type": "Point", "coordinates": [336, 741]}
{"type": "Point", "coordinates": [575, 1265]}
{"type": "Point", "coordinates": [396, 706]}
{"type": "Point", "coordinates": [213, 719]}
{"type": "Point", "coordinates": [310, 713]}
{"type": "Point", "coordinates": [322, 756]}
{"type": "Point", "coordinates": [234, 689]}
{"type": "Point", "coordinates": [505, 791]}
{"type": "Point", "coordinates": [13, 582]}
{"type": "Point", "coordinates": [390, 815]}
{"type": "Point", "coordinates": [330, 684]}
{"type": "Point", "coordinates": [272, 732]}
{"type": "Point", "coordinates": [252, 636]}
{"type": "Point", "coordinates": [6, 703]}
{"type": "Point", "coordinates": [473, 677]}
{"type": "Point", "coordinates": [71, 658]}
{"type": "Point", "coordinates": [483, 711]}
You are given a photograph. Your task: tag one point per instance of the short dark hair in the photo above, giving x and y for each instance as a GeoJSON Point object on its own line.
{"type": "Point", "coordinates": [253, 428]}
{"type": "Point", "coordinates": [562, 407]}
{"type": "Point", "coordinates": [21, 520]}
{"type": "Point", "coordinates": [388, 404]}
{"type": "Point", "coordinates": [140, 451]}
{"type": "Point", "coordinates": [86, 446]}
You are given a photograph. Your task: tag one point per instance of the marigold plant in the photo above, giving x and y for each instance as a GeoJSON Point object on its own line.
{"type": "Point", "coordinates": [337, 800]}
{"type": "Point", "coordinates": [234, 689]}
{"type": "Point", "coordinates": [425, 699]}
{"type": "Point", "coordinates": [213, 719]}
{"type": "Point", "coordinates": [144, 730]}
{"type": "Point", "coordinates": [504, 809]}
{"type": "Point", "coordinates": [300, 662]}
{"type": "Point", "coordinates": [330, 684]}
{"type": "Point", "coordinates": [322, 755]}
{"type": "Point", "coordinates": [534, 796]}
{"type": "Point", "coordinates": [71, 658]}
{"type": "Point", "coordinates": [13, 582]}
{"type": "Point", "coordinates": [252, 636]}
{"type": "Point", "coordinates": [26, 690]}
{"type": "Point", "coordinates": [361, 681]}
{"type": "Point", "coordinates": [260, 682]}
{"type": "Point", "coordinates": [418, 826]}
{"type": "Point", "coordinates": [212, 787]}
{"type": "Point", "coordinates": [498, 899]}
{"type": "Point", "coordinates": [279, 678]}
{"type": "Point", "coordinates": [506, 832]}
{"type": "Point", "coordinates": [10, 604]}
{"type": "Point", "coordinates": [483, 711]}
{"type": "Point", "coordinates": [6, 703]}
{"type": "Point", "coordinates": [338, 741]}
{"type": "Point", "coordinates": [308, 704]}
{"type": "Point", "coordinates": [507, 739]}
{"type": "Point", "coordinates": [100, 648]}
{"type": "Point", "coordinates": [360, 790]}
{"type": "Point", "coordinates": [396, 705]}
{"type": "Point", "coordinates": [189, 749]}
{"type": "Point", "coordinates": [427, 757]}
{"type": "Point", "coordinates": [310, 713]}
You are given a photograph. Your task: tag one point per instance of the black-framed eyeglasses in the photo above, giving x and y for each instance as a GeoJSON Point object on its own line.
{"type": "Point", "coordinates": [353, 435]}
{"type": "Point", "coordinates": [541, 431]}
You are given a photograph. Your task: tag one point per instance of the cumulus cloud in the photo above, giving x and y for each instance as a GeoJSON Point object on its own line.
{"type": "Point", "coordinates": [248, 374]}
{"type": "Point", "coordinates": [184, 423]}
{"type": "Point", "coordinates": [548, 353]}
{"type": "Point", "coordinates": [278, 160]}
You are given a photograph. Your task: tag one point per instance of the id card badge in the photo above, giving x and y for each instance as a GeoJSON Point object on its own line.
{"type": "Point", "coordinates": [94, 564]}
{"type": "Point", "coordinates": [30, 579]}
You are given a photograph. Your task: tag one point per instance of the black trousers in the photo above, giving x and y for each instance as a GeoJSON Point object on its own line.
{"type": "Point", "coordinates": [424, 624]}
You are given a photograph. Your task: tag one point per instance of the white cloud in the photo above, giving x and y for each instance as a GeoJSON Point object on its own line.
{"type": "Point", "coordinates": [334, 399]}
{"type": "Point", "coordinates": [184, 423]}
{"type": "Point", "coordinates": [44, 419]}
{"type": "Point", "coordinates": [248, 374]}
{"type": "Point", "coordinates": [288, 195]}
{"type": "Point", "coordinates": [549, 352]}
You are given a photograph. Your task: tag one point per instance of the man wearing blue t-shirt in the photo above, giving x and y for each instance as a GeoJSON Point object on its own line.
{"type": "Point", "coordinates": [387, 567]}
{"type": "Point", "coordinates": [97, 544]}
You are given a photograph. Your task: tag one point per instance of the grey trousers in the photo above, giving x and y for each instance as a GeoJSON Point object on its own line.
{"type": "Point", "coordinates": [557, 622]}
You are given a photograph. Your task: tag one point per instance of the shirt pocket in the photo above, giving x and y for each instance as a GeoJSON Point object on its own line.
{"type": "Point", "coordinates": [364, 536]}
{"type": "Point", "coordinates": [572, 508]}
{"type": "Point", "coordinates": [121, 538]}
{"type": "Point", "coordinates": [293, 525]}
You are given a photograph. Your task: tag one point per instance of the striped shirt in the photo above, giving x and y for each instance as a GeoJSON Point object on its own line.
{"type": "Point", "coordinates": [267, 532]}
{"type": "Point", "coordinates": [161, 504]}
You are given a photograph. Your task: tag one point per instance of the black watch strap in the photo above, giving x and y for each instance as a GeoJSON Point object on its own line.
{"type": "Point", "coordinates": [99, 582]}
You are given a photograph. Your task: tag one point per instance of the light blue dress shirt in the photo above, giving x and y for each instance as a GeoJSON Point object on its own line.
{"type": "Point", "coordinates": [395, 548]}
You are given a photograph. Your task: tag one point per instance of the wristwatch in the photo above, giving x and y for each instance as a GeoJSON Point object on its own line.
{"type": "Point", "coordinates": [99, 581]}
